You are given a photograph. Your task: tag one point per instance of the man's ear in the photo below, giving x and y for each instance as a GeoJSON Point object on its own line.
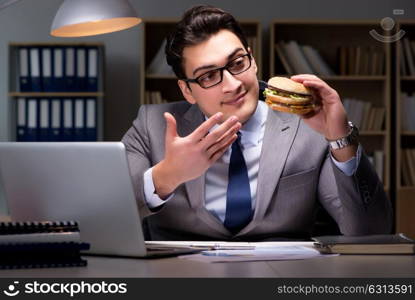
{"type": "Point", "coordinates": [253, 62]}
{"type": "Point", "coordinates": [186, 91]}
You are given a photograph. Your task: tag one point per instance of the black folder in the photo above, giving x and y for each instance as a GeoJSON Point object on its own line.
{"type": "Point", "coordinates": [368, 244]}
{"type": "Point", "coordinates": [40, 245]}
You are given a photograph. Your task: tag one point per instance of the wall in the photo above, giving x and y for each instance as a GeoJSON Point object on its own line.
{"type": "Point", "coordinates": [30, 20]}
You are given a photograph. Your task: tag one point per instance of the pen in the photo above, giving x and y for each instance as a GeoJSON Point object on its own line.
{"type": "Point", "coordinates": [232, 247]}
{"type": "Point", "coordinates": [217, 253]}
{"type": "Point", "coordinates": [221, 247]}
{"type": "Point", "coordinates": [215, 246]}
{"type": "Point", "coordinates": [214, 254]}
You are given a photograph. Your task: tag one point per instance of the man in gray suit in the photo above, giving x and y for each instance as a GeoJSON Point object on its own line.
{"type": "Point", "coordinates": [223, 166]}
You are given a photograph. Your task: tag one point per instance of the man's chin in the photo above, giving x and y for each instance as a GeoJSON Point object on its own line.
{"type": "Point", "coordinates": [243, 114]}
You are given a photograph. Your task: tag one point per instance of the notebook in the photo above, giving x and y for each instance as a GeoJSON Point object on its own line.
{"type": "Point", "coordinates": [368, 244]}
{"type": "Point", "coordinates": [87, 182]}
{"type": "Point", "coordinates": [40, 245]}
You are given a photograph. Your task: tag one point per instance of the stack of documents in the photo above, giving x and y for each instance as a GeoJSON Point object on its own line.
{"type": "Point", "coordinates": [245, 251]}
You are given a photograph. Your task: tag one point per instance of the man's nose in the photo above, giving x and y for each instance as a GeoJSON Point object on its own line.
{"type": "Point", "coordinates": [230, 82]}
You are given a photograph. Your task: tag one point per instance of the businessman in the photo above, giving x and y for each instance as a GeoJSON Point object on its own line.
{"type": "Point", "coordinates": [223, 166]}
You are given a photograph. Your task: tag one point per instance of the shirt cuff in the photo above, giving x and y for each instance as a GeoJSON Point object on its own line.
{"type": "Point", "coordinates": [152, 199]}
{"type": "Point", "coordinates": [349, 167]}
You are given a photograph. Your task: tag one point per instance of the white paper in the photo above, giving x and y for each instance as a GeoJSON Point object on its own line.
{"type": "Point", "coordinates": [269, 251]}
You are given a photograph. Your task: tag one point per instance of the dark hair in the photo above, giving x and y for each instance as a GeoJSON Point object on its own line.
{"type": "Point", "coordinates": [197, 25]}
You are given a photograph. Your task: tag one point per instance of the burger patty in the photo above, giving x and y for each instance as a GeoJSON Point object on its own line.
{"type": "Point", "coordinates": [298, 106]}
{"type": "Point", "coordinates": [282, 93]}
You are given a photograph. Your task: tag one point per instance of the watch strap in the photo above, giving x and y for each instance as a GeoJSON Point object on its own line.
{"type": "Point", "coordinates": [349, 139]}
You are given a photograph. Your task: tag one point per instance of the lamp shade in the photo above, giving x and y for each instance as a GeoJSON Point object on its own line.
{"type": "Point", "coordinates": [77, 18]}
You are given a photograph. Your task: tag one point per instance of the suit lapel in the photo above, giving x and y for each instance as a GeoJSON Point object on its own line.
{"type": "Point", "coordinates": [278, 137]}
{"type": "Point", "coordinates": [195, 188]}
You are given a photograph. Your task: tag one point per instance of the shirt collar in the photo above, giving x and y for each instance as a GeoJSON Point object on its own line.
{"type": "Point", "coordinates": [252, 130]}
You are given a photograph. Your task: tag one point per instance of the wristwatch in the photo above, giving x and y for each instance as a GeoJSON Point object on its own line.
{"type": "Point", "coordinates": [349, 139]}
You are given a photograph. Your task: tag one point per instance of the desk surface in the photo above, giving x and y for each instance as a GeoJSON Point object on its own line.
{"type": "Point", "coordinates": [369, 266]}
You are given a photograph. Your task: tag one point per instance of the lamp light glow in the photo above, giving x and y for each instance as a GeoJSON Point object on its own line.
{"type": "Point", "coordinates": [77, 18]}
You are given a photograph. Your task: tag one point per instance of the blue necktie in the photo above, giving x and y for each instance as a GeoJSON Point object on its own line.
{"type": "Point", "coordinates": [238, 197]}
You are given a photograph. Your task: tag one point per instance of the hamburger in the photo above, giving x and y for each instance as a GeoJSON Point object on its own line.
{"type": "Point", "coordinates": [286, 95]}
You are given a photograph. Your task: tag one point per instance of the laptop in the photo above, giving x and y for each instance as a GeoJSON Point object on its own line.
{"type": "Point", "coordinates": [87, 182]}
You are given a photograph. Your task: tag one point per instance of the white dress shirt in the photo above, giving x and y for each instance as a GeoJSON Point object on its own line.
{"type": "Point", "coordinates": [252, 134]}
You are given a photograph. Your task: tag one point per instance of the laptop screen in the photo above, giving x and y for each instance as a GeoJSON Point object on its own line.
{"type": "Point", "coordinates": [85, 182]}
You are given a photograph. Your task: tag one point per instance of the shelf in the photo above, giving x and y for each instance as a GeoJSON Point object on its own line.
{"type": "Point", "coordinates": [47, 44]}
{"type": "Point", "coordinates": [405, 139]}
{"type": "Point", "coordinates": [373, 133]}
{"type": "Point", "coordinates": [156, 76]}
{"type": "Point", "coordinates": [52, 108]}
{"type": "Point", "coordinates": [347, 77]}
{"type": "Point", "coordinates": [56, 94]}
{"type": "Point", "coordinates": [354, 78]}
{"type": "Point", "coordinates": [407, 188]}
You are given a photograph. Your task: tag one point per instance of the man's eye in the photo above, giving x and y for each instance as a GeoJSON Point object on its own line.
{"type": "Point", "coordinates": [208, 76]}
{"type": "Point", "coordinates": [237, 63]}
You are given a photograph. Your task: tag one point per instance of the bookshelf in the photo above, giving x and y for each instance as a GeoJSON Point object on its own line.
{"type": "Point", "coordinates": [405, 128]}
{"type": "Point", "coordinates": [157, 82]}
{"type": "Point", "coordinates": [344, 55]}
{"type": "Point", "coordinates": [45, 74]}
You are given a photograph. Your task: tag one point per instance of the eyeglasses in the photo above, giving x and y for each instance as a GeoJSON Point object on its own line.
{"type": "Point", "coordinates": [213, 77]}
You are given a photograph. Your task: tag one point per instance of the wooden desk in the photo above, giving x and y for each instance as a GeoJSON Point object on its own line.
{"type": "Point", "coordinates": [369, 266]}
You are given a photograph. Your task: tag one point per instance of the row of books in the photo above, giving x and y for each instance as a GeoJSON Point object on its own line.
{"type": "Point", "coordinates": [364, 115]}
{"type": "Point", "coordinates": [56, 119]}
{"type": "Point", "coordinates": [40, 245]}
{"type": "Point", "coordinates": [408, 167]}
{"type": "Point", "coordinates": [408, 112]}
{"type": "Point", "coordinates": [359, 60]}
{"type": "Point", "coordinates": [376, 158]}
{"type": "Point", "coordinates": [153, 97]}
{"type": "Point", "coordinates": [301, 59]}
{"type": "Point", "coordinates": [58, 69]}
{"type": "Point", "coordinates": [407, 57]}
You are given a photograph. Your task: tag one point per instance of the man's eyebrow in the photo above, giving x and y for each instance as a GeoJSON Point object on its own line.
{"type": "Point", "coordinates": [230, 56]}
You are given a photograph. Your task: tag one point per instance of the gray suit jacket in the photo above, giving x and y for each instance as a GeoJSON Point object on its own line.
{"type": "Point", "coordinates": [295, 173]}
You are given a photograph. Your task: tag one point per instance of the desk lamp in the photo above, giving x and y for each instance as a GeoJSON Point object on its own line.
{"type": "Point", "coordinates": [77, 18]}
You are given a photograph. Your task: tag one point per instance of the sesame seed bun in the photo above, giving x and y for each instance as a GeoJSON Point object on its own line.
{"type": "Point", "coordinates": [288, 85]}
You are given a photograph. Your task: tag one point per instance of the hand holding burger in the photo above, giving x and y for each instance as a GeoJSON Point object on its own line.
{"type": "Point", "coordinates": [316, 102]}
{"type": "Point", "coordinates": [286, 95]}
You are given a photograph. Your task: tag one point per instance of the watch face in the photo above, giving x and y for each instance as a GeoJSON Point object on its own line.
{"type": "Point", "coordinates": [343, 142]}
{"type": "Point", "coordinates": [355, 132]}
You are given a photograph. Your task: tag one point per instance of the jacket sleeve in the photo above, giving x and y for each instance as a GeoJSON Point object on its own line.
{"type": "Point", "coordinates": [136, 141]}
{"type": "Point", "coordinates": [358, 203]}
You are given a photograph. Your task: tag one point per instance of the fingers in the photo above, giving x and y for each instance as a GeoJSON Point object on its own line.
{"type": "Point", "coordinates": [225, 130]}
{"type": "Point", "coordinates": [203, 129]}
{"type": "Point", "coordinates": [319, 87]}
{"type": "Point", "coordinates": [309, 80]}
{"type": "Point", "coordinates": [323, 90]}
{"type": "Point", "coordinates": [171, 127]}
{"type": "Point", "coordinates": [220, 150]}
{"type": "Point", "coordinates": [315, 111]}
{"type": "Point", "coordinates": [223, 143]}
{"type": "Point", "coordinates": [301, 77]}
